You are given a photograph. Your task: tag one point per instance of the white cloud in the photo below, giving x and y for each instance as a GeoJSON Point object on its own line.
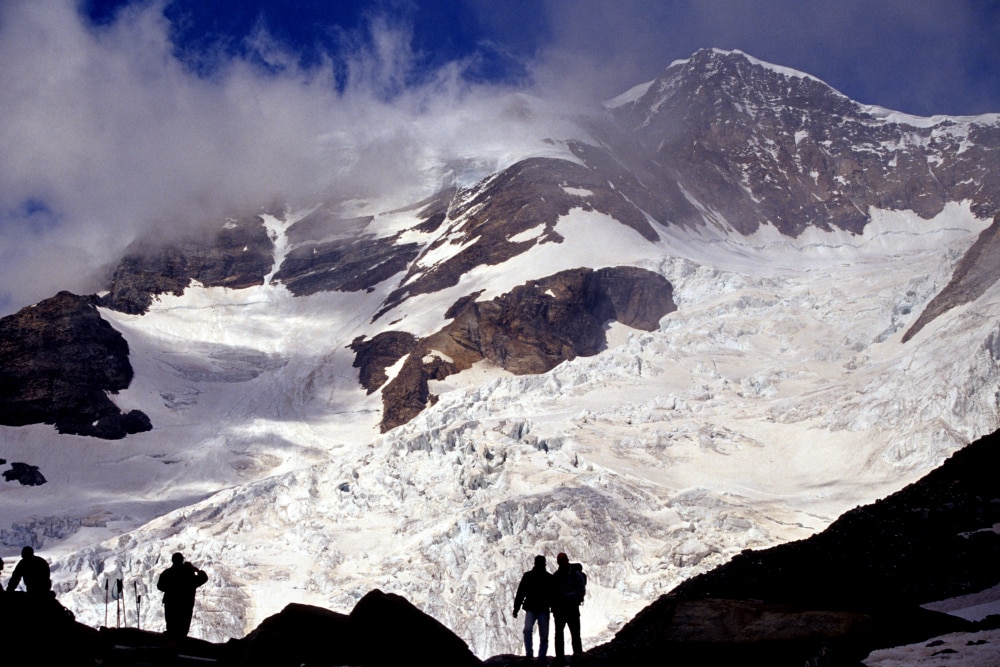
{"type": "Point", "coordinates": [105, 137]}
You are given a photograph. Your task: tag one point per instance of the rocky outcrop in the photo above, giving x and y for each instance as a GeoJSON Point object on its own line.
{"type": "Point", "coordinates": [977, 272]}
{"type": "Point", "coordinates": [40, 631]}
{"type": "Point", "coordinates": [59, 360]}
{"type": "Point", "coordinates": [529, 330]}
{"type": "Point", "coordinates": [529, 196]}
{"type": "Point", "coordinates": [26, 475]}
{"type": "Point", "coordinates": [344, 265]}
{"type": "Point", "coordinates": [757, 144]}
{"type": "Point", "coordinates": [240, 255]}
{"type": "Point", "coordinates": [374, 356]}
{"type": "Point", "coordinates": [299, 635]}
{"type": "Point", "coordinates": [331, 253]}
{"type": "Point", "coordinates": [383, 629]}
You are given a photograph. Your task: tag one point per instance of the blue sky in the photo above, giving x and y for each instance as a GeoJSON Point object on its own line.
{"type": "Point", "coordinates": [122, 119]}
{"type": "Point", "coordinates": [919, 56]}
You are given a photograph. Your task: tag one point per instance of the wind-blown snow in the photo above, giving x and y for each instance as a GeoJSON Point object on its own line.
{"type": "Point", "coordinates": [776, 397]}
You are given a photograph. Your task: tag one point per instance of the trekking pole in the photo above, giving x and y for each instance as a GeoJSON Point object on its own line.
{"type": "Point", "coordinates": [118, 603]}
{"type": "Point", "coordinates": [105, 602]}
{"type": "Point", "coordinates": [138, 605]}
{"type": "Point", "coordinates": [121, 596]}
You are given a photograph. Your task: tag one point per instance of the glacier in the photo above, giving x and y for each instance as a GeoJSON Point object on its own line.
{"type": "Point", "coordinates": [777, 397]}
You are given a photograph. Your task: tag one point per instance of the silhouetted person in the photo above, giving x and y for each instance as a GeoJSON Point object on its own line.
{"type": "Point", "coordinates": [569, 589]}
{"type": "Point", "coordinates": [34, 571]}
{"type": "Point", "coordinates": [179, 583]}
{"type": "Point", "coordinates": [534, 595]}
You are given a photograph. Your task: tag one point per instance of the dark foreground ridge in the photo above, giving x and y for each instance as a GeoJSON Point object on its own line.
{"type": "Point", "coordinates": [825, 601]}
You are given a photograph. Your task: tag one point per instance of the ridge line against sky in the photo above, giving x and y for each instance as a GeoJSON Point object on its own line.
{"type": "Point", "coordinates": [122, 119]}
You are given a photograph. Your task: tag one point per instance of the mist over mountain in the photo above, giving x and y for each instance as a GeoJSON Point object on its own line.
{"type": "Point", "coordinates": [712, 315]}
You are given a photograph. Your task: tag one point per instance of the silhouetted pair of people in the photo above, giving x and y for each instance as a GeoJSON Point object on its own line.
{"type": "Point", "coordinates": [561, 592]}
{"type": "Point", "coordinates": [179, 583]}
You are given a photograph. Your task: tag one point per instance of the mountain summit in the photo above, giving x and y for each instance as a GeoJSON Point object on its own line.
{"type": "Point", "coordinates": [732, 306]}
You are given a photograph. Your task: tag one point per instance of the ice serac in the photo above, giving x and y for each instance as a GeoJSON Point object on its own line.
{"type": "Point", "coordinates": [59, 359]}
{"type": "Point", "coordinates": [528, 330]}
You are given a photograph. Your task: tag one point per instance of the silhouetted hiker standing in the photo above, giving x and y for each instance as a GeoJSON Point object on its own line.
{"type": "Point", "coordinates": [569, 589]}
{"type": "Point", "coordinates": [534, 595]}
{"type": "Point", "coordinates": [34, 570]}
{"type": "Point", "coordinates": [178, 583]}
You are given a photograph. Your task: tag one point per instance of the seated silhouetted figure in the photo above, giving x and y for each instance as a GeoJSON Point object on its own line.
{"type": "Point", "coordinates": [178, 583]}
{"type": "Point", "coordinates": [34, 571]}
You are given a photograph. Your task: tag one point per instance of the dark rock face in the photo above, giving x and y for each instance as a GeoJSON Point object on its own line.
{"type": "Point", "coordinates": [531, 329]}
{"type": "Point", "coordinates": [58, 361]}
{"type": "Point", "coordinates": [758, 145]}
{"type": "Point", "coordinates": [240, 256]}
{"type": "Point", "coordinates": [335, 254]}
{"type": "Point", "coordinates": [345, 265]}
{"type": "Point", "coordinates": [531, 193]}
{"type": "Point", "coordinates": [40, 631]}
{"type": "Point", "coordinates": [977, 272]}
{"type": "Point", "coordinates": [376, 355]}
{"type": "Point", "coordinates": [720, 631]}
{"type": "Point", "coordinates": [27, 475]}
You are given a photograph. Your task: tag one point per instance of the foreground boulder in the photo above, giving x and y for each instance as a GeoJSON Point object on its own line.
{"type": "Point", "coordinates": [383, 630]}
{"type": "Point", "coordinates": [390, 631]}
{"type": "Point", "coordinates": [37, 630]}
{"type": "Point", "coordinates": [299, 634]}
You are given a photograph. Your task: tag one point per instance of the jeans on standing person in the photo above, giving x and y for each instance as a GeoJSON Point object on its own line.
{"type": "Point", "coordinates": [568, 616]}
{"type": "Point", "coordinates": [542, 618]}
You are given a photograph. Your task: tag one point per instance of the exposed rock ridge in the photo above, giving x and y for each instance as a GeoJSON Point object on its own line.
{"type": "Point", "coordinates": [976, 272]}
{"type": "Point", "coordinates": [240, 256]}
{"type": "Point", "coordinates": [508, 214]}
{"type": "Point", "coordinates": [758, 144]}
{"type": "Point", "coordinates": [531, 329]}
{"type": "Point", "coordinates": [346, 265]}
{"type": "Point", "coordinates": [59, 360]}
{"type": "Point", "coordinates": [374, 356]}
